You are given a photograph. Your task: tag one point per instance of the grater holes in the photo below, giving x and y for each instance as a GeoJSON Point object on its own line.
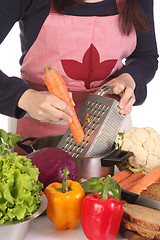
{"type": "Point", "coordinates": [67, 144]}
{"type": "Point", "coordinates": [92, 104]}
{"type": "Point", "coordinates": [94, 127]}
{"type": "Point", "coordinates": [63, 148]}
{"type": "Point", "coordinates": [104, 106]}
{"type": "Point", "coordinates": [92, 110]}
{"type": "Point", "coordinates": [102, 112]}
{"type": "Point", "coordinates": [86, 132]}
{"type": "Point", "coordinates": [89, 132]}
{"type": "Point", "coordinates": [81, 150]}
{"type": "Point", "coordinates": [75, 155]}
{"type": "Point", "coordinates": [98, 118]}
{"type": "Point", "coordinates": [78, 148]}
{"type": "Point", "coordinates": [69, 138]}
{"type": "Point", "coordinates": [87, 136]}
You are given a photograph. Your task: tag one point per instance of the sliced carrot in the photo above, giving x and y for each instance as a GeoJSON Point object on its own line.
{"type": "Point", "coordinates": [151, 177]}
{"type": "Point", "coordinates": [120, 176]}
{"type": "Point", "coordinates": [131, 180]}
{"type": "Point", "coordinates": [57, 87]}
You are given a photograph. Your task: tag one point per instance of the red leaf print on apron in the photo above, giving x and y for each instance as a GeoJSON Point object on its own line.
{"type": "Point", "coordinates": [91, 69]}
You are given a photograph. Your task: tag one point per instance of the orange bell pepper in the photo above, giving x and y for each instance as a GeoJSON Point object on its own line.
{"type": "Point", "coordinates": [64, 202]}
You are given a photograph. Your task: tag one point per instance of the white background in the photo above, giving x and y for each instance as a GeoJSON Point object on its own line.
{"type": "Point", "coordinates": [147, 114]}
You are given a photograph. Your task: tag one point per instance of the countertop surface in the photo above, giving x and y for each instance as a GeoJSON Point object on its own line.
{"type": "Point", "coordinates": [43, 229]}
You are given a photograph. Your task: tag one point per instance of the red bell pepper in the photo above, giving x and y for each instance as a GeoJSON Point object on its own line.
{"type": "Point", "coordinates": [101, 215]}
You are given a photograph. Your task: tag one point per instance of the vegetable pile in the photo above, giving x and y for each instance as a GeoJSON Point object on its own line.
{"type": "Point", "coordinates": [145, 145]}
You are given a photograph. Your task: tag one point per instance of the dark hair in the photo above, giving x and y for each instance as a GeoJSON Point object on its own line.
{"type": "Point", "coordinates": [131, 14]}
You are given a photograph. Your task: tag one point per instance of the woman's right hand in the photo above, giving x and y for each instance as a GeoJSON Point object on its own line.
{"type": "Point", "coordinates": [44, 106]}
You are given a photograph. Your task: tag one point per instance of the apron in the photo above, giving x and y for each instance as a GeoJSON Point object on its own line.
{"type": "Point", "coordinates": [84, 50]}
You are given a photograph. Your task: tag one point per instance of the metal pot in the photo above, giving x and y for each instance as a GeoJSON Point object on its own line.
{"type": "Point", "coordinates": [18, 230]}
{"type": "Point", "coordinates": [98, 166]}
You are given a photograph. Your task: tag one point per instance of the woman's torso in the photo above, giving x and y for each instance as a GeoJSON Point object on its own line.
{"type": "Point", "coordinates": [86, 50]}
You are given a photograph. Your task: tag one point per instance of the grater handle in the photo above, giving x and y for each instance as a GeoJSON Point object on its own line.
{"type": "Point", "coordinates": [104, 90]}
{"type": "Point", "coordinates": [115, 157]}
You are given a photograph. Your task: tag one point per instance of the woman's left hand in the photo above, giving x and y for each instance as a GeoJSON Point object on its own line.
{"type": "Point", "coordinates": [124, 86]}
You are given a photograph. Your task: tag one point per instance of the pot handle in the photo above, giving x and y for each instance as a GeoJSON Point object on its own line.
{"type": "Point", "coordinates": [26, 146]}
{"type": "Point", "coordinates": [115, 157]}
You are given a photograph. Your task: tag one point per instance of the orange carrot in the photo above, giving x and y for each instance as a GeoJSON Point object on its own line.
{"type": "Point", "coordinates": [130, 185]}
{"type": "Point", "coordinates": [151, 177]}
{"type": "Point", "coordinates": [131, 180]}
{"type": "Point", "coordinates": [57, 87]}
{"type": "Point", "coordinates": [120, 176]}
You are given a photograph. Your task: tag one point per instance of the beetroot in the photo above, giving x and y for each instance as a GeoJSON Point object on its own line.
{"type": "Point", "coordinates": [51, 162]}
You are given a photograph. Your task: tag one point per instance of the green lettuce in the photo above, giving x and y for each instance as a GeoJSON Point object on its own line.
{"type": "Point", "coordinates": [7, 141]}
{"type": "Point", "coordinates": [19, 188]}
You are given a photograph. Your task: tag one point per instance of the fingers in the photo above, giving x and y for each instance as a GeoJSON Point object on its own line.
{"type": "Point", "coordinates": [127, 98]}
{"type": "Point", "coordinates": [70, 94]}
{"type": "Point", "coordinates": [60, 105]}
{"type": "Point", "coordinates": [55, 110]}
{"type": "Point", "coordinates": [127, 101]}
{"type": "Point", "coordinates": [54, 115]}
{"type": "Point", "coordinates": [124, 86]}
{"type": "Point", "coordinates": [62, 111]}
{"type": "Point", "coordinates": [45, 107]}
{"type": "Point", "coordinates": [119, 89]}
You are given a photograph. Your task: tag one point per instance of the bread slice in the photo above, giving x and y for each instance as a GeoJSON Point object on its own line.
{"type": "Point", "coordinates": [143, 216]}
{"type": "Point", "coordinates": [152, 191]}
{"type": "Point", "coordinates": [147, 233]}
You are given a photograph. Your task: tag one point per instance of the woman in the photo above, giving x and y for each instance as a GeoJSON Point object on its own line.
{"type": "Point", "coordinates": [86, 41]}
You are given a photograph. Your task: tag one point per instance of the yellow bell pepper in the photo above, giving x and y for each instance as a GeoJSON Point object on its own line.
{"type": "Point", "coordinates": [64, 202]}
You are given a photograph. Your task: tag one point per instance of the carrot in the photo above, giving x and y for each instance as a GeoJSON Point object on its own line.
{"type": "Point", "coordinates": [120, 176]}
{"type": "Point", "coordinates": [57, 87]}
{"type": "Point", "coordinates": [130, 185]}
{"type": "Point", "coordinates": [151, 177]}
{"type": "Point", "coordinates": [131, 180]}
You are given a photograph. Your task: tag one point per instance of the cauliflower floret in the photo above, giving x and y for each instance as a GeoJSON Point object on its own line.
{"type": "Point", "coordinates": [140, 156]}
{"type": "Point", "coordinates": [145, 145]}
{"type": "Point", "coordinates": [152, 162]}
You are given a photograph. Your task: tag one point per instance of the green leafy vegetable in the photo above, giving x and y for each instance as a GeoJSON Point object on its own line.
{"type": "Point", "coordinates": [19, 188]}
{"type": "Point", "coordinates": [7, 141]}
{"type": "Point", "coordinates": [126, 165]}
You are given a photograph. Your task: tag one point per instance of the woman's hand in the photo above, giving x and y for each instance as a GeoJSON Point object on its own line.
{"type": "Point", "coordinates": [124, 86]}
{"type": "Point", "coordinates": [44, 106]}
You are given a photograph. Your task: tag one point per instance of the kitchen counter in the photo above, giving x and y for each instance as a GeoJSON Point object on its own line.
{"type": "Point", "coordinates": [43, 229]}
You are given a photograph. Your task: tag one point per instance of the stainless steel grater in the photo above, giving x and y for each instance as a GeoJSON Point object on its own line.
{"type": "Point", "coordinates": [99, 116]}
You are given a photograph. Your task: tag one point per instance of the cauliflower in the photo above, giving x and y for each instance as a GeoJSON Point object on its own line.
{"type": "Point", "coordinates": [145, 145]}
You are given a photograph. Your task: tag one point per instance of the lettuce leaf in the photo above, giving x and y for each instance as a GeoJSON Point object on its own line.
{"type": "Point", "coordinates": [19, 188]}
{"type": "Point", "coordinates": [7, 141]}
